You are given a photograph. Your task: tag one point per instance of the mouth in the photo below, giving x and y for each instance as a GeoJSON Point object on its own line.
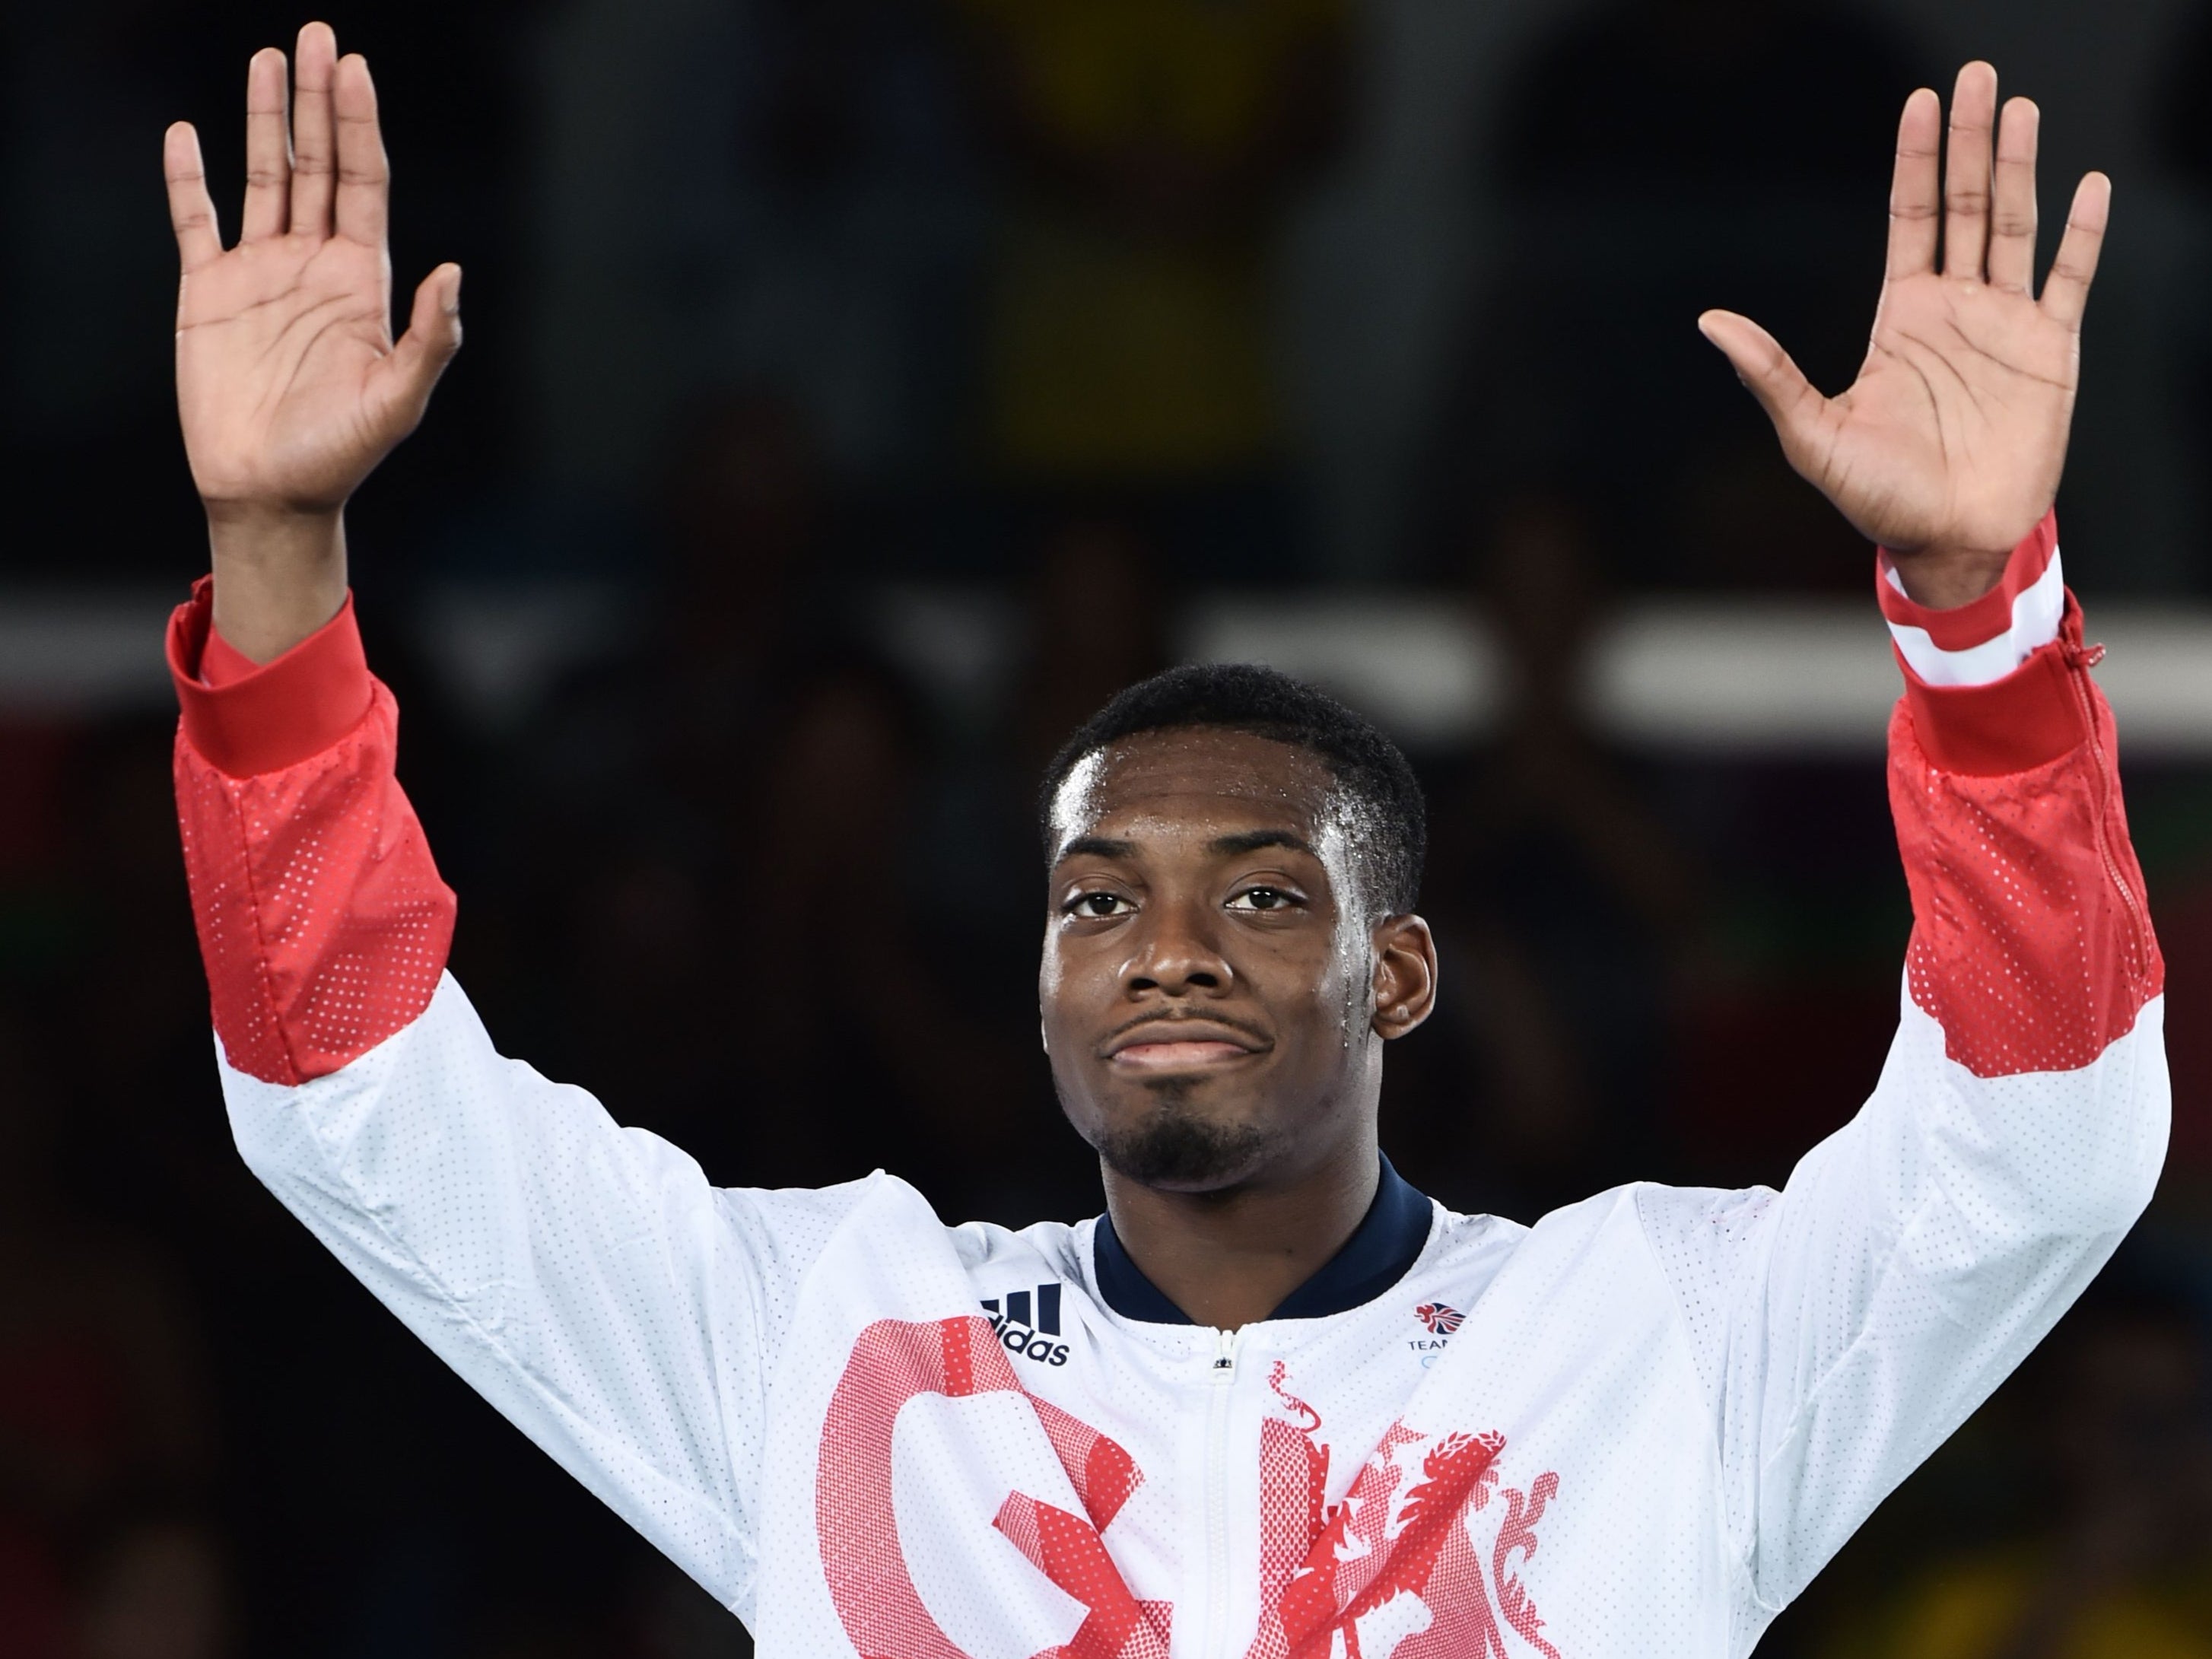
{"type": "Point", "coordinates": [1177, 1045]}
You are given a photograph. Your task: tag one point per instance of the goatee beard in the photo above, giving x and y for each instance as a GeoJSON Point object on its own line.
{"type": "Point", "coordinates": [1173, 1150]}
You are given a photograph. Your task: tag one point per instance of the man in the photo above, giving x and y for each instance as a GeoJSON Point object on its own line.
{"type": "Point", "coordinates": [1274, 1402]}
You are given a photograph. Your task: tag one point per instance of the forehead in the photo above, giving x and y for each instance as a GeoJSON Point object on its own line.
{"type": "Point", "coordinates": [1199, 776]}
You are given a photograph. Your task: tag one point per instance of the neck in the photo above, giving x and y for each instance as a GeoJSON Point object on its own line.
{"type": "Point", "coordinates": [1229, 1258]}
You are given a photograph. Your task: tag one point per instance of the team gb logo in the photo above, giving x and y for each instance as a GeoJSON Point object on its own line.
{"type": "Point", "coordinates": [1441, 1317]}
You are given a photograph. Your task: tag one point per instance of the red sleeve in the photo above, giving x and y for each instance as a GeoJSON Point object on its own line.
{"type": "Point", "coordinates": [2031, 945]}
{"type": "Point", "coordinates": [322, 920]}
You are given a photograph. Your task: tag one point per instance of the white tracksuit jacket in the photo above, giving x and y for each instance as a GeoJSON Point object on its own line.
{"type": "Point", "coordinates": [1637, 1427]}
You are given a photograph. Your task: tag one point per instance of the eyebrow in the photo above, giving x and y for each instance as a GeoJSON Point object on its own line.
{"type": "Point", "coordinates": [1246, 840]}
{"type": "Point", "coordinates": [1252, 841]}
{"type": "Point", "coordinates": [1098, 847]}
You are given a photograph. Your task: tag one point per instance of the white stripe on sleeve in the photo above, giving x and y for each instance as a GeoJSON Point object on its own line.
{"type": "Point", "coordinates": [2036, 611]}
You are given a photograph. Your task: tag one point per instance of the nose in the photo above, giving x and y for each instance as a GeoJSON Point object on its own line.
{"type": "Point", "coordinates": [1177, 953]}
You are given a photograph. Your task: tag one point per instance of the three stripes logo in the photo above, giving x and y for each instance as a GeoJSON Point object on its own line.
{"type": "Point", "coordinates": [1030, 1324]}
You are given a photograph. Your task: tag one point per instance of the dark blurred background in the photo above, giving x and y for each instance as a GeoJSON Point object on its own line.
{"type": "Point", "coordinates": [857, 392]}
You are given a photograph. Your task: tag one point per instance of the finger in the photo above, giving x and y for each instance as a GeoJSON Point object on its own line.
{"type": "Point", "coordinates": [1788, 398]}
{"type": "Point", "coordinates": [2066, 291]}
{"type": "Point", "coordinates": [2012, 210]}
{"type": "Point", "coordinates": [268, 149]}
{"type": "Point", "coordinates": [364, 178]}
{"type": "Point", "coordinates": [191, 210]}
{"type": "Point", "coordinates": [433, 336]}
{"type": "Point", "coordinates": [1916, 188]}
{"type": "Point", "coordinates": [313, 149]}
{"type": "Point", "coordinates": [1966, 172]}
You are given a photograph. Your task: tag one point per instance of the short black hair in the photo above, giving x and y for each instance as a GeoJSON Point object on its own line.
{"type": "Point", "coordinates": [1369, 768]}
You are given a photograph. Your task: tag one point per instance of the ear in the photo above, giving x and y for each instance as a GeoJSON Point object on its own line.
{"type": "Point", "coordinates": [1405, 975]}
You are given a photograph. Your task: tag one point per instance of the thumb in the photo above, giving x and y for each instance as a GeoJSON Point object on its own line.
{"type": "Point", "coordinates": [1769, 374]}
{"type": "Point", "coordinates": [433, 336]}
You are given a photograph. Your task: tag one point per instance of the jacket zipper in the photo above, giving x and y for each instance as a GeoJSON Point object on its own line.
{"type": "Point", "coordinates": [1223, 1376]}
{"type": "Point", "coordinates": [2081, 658]}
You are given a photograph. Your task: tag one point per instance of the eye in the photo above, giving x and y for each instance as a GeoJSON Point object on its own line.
{"type": "Point", "coordinates": [1263, 898]}
{"type": "Point", "coordinates": [1097, 904]}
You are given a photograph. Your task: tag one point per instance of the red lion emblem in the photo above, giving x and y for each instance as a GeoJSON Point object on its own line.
{"type": "Point", "coordinates": [1324, 1567]}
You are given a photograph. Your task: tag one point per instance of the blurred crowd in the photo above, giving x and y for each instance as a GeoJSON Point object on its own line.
{"type": "Point", "coordinates": [1088, 305]}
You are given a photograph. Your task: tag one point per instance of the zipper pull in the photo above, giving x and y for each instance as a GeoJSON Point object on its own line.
{"type": "Point", "coordinates": [2077, 652]}
{"type": "Point", "coordinates": [1224, 1355]}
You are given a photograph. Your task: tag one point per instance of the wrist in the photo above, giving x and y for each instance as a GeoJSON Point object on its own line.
{"type": "Point", "coordinates": [1945, 578]}
{"type": "Point", "coordinates": [280, 573]}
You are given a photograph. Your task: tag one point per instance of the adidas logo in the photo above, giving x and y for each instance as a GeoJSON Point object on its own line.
{"type": "Point", "coordinates": [1029, 1323]}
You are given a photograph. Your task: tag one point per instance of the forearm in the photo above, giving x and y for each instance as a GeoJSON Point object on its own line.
{"type": "Point", "coordinates": [2031, 945]}
{"type": "Point", "coordinates": [2023, 1099]}
{"type": "Point", "coordinates": [322, 920]}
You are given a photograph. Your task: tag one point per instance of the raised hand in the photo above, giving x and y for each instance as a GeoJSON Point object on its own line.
{"type": "Point", "coordinates": [289, 385]}
{"type": "Point", "coordinates": [1947, 448]}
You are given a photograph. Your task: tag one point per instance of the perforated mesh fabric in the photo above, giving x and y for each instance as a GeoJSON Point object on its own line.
{"type": "Point", "coordinates": [322, 920]}
{"type": "Point", "coordinates": [2030, 943]}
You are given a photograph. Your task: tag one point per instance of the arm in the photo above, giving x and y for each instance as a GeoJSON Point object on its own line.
{"type": "Point", "coordinates": [584, 1278]}
{"type": "Point", "coordinates": [1842, 1328]}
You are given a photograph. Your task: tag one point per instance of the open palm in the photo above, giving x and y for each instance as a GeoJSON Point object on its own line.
{"type": "Point", "coordinates": [289, 382]}
{"type": "Point", "coordinates": [1947, 448]}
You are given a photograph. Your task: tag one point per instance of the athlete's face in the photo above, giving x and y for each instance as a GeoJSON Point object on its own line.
{"type": "Point", "coordinates": [1213, 991]}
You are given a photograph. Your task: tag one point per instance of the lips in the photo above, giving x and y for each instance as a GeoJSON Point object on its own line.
{"type": "Point", "coordinates": [1181, 1045]}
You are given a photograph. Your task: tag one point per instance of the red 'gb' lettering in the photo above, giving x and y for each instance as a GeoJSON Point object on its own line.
{"type": "Point", "coordinates": [1324, 1568]}
{"type": "Point", "coordinates": [893, 1361]}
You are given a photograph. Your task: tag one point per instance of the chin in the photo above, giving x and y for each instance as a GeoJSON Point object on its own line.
{"type": "Point", "coordinates": [1170, 1147]}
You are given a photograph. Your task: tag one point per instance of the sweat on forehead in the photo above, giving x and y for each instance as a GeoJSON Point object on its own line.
{"type": "Point", "coordinates": [1189, 763]}
{"type": "Point", "coordinates": [1226, 780]}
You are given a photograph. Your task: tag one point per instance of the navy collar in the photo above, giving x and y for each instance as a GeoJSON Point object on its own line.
{"type": "Point", "coordinates": [1380, 1252]}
